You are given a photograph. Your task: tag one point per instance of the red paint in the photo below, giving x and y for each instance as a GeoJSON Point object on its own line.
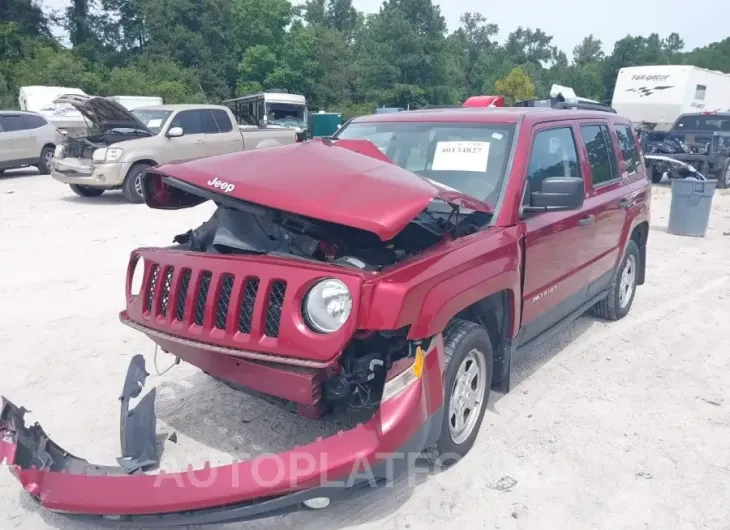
{"type": "Point", "coordinates": [338, 457]}
{"type": "Point", "coordinates": [321, 180]}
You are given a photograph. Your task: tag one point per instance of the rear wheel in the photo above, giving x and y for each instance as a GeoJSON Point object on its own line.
{"type": "Point", "coordinates": [656, 175]}
{"type": "Point", "coordinates": [623, 287]}
{"type": "Point", "coordinates": [86, 191]}
{"type": "Point", "coordinates": [724, 181]}
{"type": "Point", "coordinates": [132, 187]}
{"type": "Point", "coordinates": [468, 380]}
{"type": "Point", "coordinates": [44, 166]}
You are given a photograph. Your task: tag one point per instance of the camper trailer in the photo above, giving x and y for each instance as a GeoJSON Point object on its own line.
{"type": "Point", "coordinates": [655, 96]}
{"type": "Point", "coordinates": [65, 118]}
{"type": "Point", "coordinates": [134, 102]}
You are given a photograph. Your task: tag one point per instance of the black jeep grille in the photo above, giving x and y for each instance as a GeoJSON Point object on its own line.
{"type": "Point", "coordinates": [202, 298]}
{"type": "Point", "coordinates": [250, 288]}
{"type": "Point", "coordinates": [224, 300]}
{"type": "Point", "coordinates": [273, 312]}
{"type": "Point", "coordinates": [224, 293]}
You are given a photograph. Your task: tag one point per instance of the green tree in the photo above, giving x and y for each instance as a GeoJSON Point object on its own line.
{"type": "Point", "coordinates": [516, 86]}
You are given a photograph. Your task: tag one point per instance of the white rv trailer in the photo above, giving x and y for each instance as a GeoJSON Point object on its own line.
{"type": "Point", "coordinates": [40, 99]}
{"type": "Point", "coordinates": [134, 102]}
{"type": "Point", "coordinates": [659, 94]}
{"type": "Point", "coordinates": [270, 109]}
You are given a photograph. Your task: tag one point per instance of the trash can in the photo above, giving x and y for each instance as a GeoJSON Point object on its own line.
{"type": "Point", "coordinates": [324, 123]}
{"type": "Point", "coordinates": [689, 212]}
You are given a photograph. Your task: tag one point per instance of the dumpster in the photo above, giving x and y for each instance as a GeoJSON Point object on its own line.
{"type": "Point", "coordinates": [689, 212]}
{"type": "Point", "coordinates": [324, 123]}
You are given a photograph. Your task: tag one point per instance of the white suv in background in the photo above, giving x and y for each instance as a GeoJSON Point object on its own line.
{"type": "Point", "coordinates": [27, 139]}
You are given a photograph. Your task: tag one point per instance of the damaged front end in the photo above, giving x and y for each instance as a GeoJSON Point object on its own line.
{"type": "Point", "coordinates": [407, 421]}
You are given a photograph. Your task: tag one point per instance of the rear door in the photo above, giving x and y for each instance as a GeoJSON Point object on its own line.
{"type": "Point", "coordinates": [606, 187]}
{"type": "Point", "coordinates": [558, 245]}
{"type": "Point", "coordinates": [20, 145]}
{"type": "Point", "coordinates": [226, 138]}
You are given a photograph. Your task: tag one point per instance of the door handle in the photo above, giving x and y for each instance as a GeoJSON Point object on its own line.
{"type": "Point", "coordinates": [588, 219]}
{"type": "Point", "coordinates": [624, 203]}
{"type": "Point", "coordinates": [198, 141]}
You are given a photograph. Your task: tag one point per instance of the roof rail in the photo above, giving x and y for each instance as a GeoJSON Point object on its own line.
{"type": "Point", "coordinates": [560, 103]}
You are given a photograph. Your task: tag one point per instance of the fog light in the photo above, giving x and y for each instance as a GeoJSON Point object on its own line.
{"type": "Point", "coordinates": [318, 503]}
{"type": "Point", "coordinates": [101, 178]}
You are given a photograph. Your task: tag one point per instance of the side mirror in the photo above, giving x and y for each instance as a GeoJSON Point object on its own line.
{"type": "Point", "coordinates": [175, 132]}
{"type": "Point", "coordinates": [557, 194]}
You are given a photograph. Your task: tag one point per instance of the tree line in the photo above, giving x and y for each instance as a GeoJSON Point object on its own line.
{"type": "Point", "coordinates": [338, 57]}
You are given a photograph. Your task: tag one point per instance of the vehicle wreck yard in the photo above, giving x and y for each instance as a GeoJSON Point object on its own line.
{"type": "Point", "coordinates": [613, 406]}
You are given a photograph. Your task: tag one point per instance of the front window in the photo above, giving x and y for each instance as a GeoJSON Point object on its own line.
{"type": "Point", "coordinates": [703, 122]}
{"type": "Point", "coordinates": [467, 157]}
{"type": "Point", "coordinates": [285, 115]}
{"type": "Point", "coordinates": [154, 119]}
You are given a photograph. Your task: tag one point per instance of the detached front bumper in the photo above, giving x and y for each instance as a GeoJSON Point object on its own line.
{"type": "Point", "coordinates": [370, 453]}
{"type": "Point", "coordinates": [85, 173]}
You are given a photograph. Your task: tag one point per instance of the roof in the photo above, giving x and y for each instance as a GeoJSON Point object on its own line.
{"type": "Point", "coordinates": [486, 115]}
{"type": "Point", "coordinates": [199, 106]}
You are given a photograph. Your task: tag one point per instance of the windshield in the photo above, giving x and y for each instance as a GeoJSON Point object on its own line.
{"type": "Point", "coordinates": [154, 119]}
{"type": "Point", "coordinates": [285, 115]}
{"type": "Point", "coordinates": [467, 157]}
{"type": "Point", "coordinates": [709, 123]}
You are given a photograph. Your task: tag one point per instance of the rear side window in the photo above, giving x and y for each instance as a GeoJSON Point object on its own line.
{"type": "Point", "coordinates": [600, 153]}
{"type": "Point", "coordinates": [12, 123]}
{"type": "Point", "coordinates": [208, 124]}
{"type": "Point", "coordinates": [553, 155]}
{"type": "Point", "coordinates": [223, 121]}
{"type": "Point", "coordinates": [628, 148]}
{"type": "Point", "coordinates": [33, 122]}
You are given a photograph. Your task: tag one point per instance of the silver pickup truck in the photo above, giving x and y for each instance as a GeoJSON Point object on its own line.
{"type": "Point", "coordinates": [121, 144]}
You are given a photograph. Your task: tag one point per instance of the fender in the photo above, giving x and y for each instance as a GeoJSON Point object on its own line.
{"type": "Point", "coordinates": [638, 213]}
{"type": "Point", "coordinates": [428, 292]}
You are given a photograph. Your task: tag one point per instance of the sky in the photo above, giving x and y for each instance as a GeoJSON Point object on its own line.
{"type": "Point", "coordinates": [568, 21]}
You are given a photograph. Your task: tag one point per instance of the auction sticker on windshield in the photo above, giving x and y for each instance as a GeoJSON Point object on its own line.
{"type": "Point", "coordinates": [157, 122]}
{"type": "Point", "coordinates": [461, 156]}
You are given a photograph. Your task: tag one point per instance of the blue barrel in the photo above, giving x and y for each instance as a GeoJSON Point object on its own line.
{"type": "Point", "coordinates": [689, 213]}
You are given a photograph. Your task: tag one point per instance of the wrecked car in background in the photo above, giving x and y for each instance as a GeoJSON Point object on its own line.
{"type": "Point", "coordinates": [122, 144]}
{"type": "Point", "coordinates": [696, 143]}
{"type": "Point", "coordinates": [391, 273]}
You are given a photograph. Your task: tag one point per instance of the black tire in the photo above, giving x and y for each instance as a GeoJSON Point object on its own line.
{"type": "Point", "coordinates": [86, 191]}
{"type": "Point", "coordinates": [656, 175]}
{"type": "Point", "coordinates": [614, 307]}
{"type": "Point", "coordinates": [724, 181]}
{"type": "Point", "coordinates": [461, 338]}
{"type": "Point", "coordinates": [131, 189]}
{"type": "Point", "coordinates": [44, 166]}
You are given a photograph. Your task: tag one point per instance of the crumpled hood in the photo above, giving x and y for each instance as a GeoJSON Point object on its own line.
{"type": "Point", "coordinates": [349, 182]}
{"type": "Point", "coordinates": [103, 113]}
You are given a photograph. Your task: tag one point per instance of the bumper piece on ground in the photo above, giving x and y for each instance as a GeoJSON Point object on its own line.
{"type": "Point", "coordinates": [369, 454]}
{"type": "Point", "coordinates": [138, 427]}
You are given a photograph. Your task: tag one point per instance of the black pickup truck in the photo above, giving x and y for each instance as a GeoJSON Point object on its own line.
{"type": "Point", "coordinates": [699, 140]}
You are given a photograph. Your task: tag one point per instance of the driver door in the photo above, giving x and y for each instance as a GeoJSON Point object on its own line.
{"type": "Point", "coordinates": [192, 143]}
{"type": "Point", "coordinates": [558, 245]}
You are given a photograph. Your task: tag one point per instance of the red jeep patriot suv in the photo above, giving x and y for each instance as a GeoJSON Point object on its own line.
{"type": "Point", "coordinates": [394, 271]}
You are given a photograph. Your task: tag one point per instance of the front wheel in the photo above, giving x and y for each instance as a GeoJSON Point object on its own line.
{"type": "Point", "coordinates": [132, 187]}
{"type": "Point", "coordinates": [467, 384]}
{"type": "Point", "coordinates": [623, 287]}
{"type": "Point", "coordinates": [44, 166]}
{"type": "Point", "coordinates": [86, 191]}
{"type": "Point", "coordinates": [656, 175]}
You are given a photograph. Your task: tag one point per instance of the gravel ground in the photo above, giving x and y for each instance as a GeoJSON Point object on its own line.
{"type": "Point", "coordinates": [610, 425]}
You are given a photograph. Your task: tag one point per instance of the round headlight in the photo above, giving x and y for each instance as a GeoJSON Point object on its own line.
{"type": "Point", "coordinates": [137, 277]}
{"type": "Point", "coordinates": [327, 306]}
